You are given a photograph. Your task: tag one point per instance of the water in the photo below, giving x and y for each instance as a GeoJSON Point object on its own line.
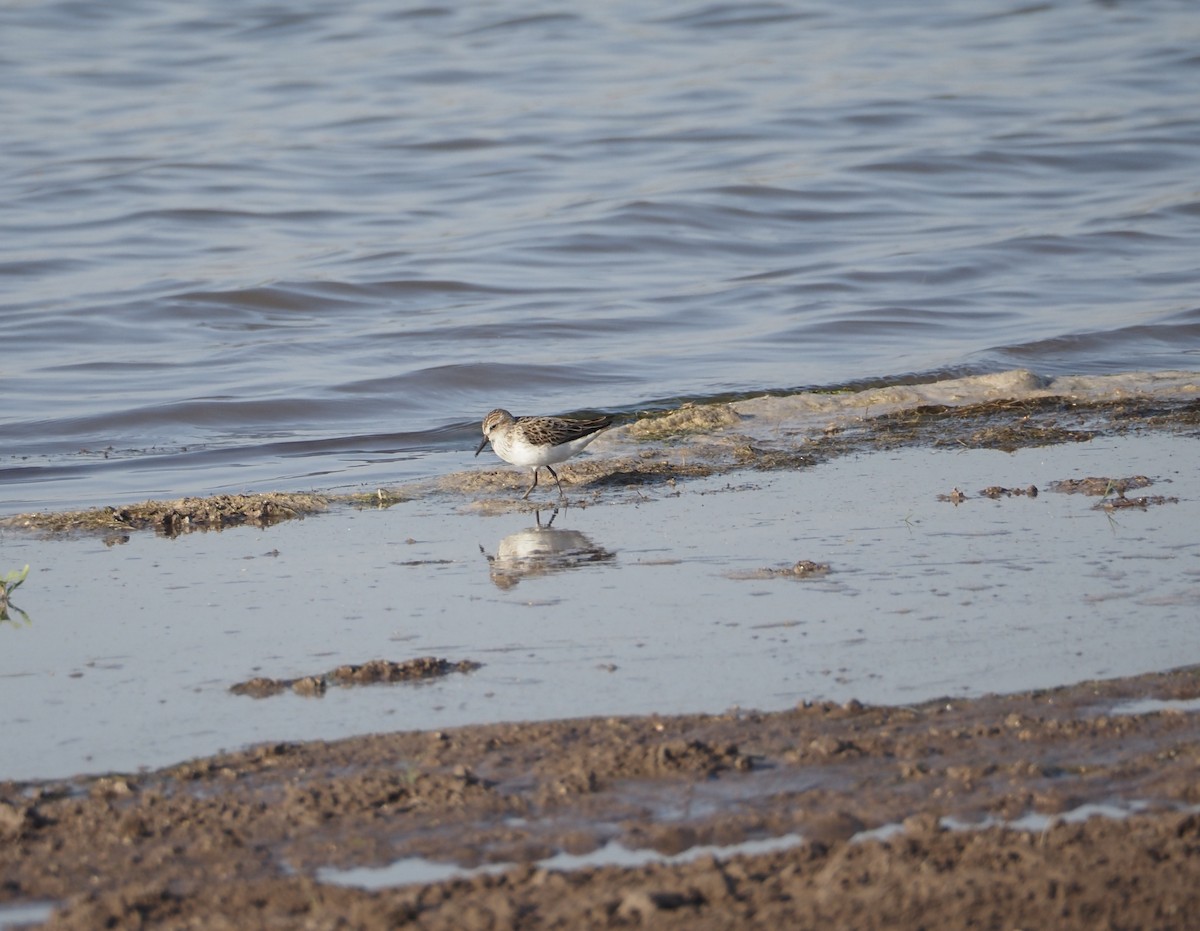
{"type": "Point", "coordinates": [420, 870]}
{"type": "Point", "coordinates": [658, 599]}
{"type": "Point", "coordinates": [412, 870]}
{"type": "Point", "coordinates": [252, 246]}
{"type": "Point", "coordinates": [24, 914]}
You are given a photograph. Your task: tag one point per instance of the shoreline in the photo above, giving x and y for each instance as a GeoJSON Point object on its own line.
{"type": "Point", "coordinates": [265, 836]}
{"type": "Point", "coordinates": [1070, 806]}
{"type": "Point", "coordinates": [1010, 411]}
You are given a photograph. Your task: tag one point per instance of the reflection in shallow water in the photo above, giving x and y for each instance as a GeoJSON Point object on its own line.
{"type": "Point", "coordinates": [541, 550]}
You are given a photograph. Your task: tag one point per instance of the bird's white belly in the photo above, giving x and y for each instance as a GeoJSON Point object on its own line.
{"type": "Point", "coordinates": [528, 454]}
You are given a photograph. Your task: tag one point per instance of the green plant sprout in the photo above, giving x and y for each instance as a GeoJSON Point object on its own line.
{"type": "Point", "coordinates": [9, 584]}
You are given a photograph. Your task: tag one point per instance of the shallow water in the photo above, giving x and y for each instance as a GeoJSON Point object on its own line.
{"type": "Point", "coordinates": [413, 870]}
{"type": "Point", "coordinates": [652, 601]}
{"type": "Point", "coordinates": [421, 870]}
{"type": "Point", "coordinates": [24, 914]}
{"type": "Point", "coordinates": [254, 246]}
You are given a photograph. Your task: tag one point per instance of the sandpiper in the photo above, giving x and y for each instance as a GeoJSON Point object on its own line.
{"type": "Point", "coordinates": [538, 441]}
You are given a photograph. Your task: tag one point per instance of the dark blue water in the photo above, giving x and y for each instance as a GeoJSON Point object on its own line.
{"type": "Point", "coordinates": [310, 245]}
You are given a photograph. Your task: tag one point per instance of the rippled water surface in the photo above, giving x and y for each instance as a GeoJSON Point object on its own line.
{"type": "Point", "coordinates": [256, 245]}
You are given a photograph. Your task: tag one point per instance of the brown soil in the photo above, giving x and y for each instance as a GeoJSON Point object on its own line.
{"type": "Point", "coordinates": [182, 515]}
{"type": "Point", "coordinates": [1112, 491]}
{"type": "Point", "coordinates": [237, 840]}
{"type": "Point", "coordinates": [1002, 424]}
{"type": "Point", "coordinates": [1100, 486]}
{"type": "Point", "coordinates": [373, 672]}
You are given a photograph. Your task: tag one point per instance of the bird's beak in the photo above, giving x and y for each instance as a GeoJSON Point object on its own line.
{"type": "Point", "coordinates": [481, 445]}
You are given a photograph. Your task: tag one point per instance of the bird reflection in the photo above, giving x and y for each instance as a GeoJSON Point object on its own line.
{"type": "Point", "coordinates": [540, 550]}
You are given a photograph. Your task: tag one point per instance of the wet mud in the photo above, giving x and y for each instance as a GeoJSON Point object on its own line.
{"type": "Point", "coordinates": [1076, 807]}
{"type": "Point", "coordinates": [694, 441]}
{"type": "Point", "coordinates": [183, 515]}
{"type": "Point", "coordinates": [1110, 490]}
{"type": "Point", "coordinates": [802, 569]}
{"type": "Point", "coordinates": [903, 818]}
{"type": "Point", "coordinates": [373, 672]}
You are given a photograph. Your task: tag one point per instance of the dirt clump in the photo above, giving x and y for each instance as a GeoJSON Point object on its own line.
{"type": "Point", "coordinates": [1098, 486]}
{"type": "Point", "coordinates": [1112, 492]}
{"type": "Point", "coordinates": [373, 672]}
{"type": "Point", "coordinates": [183, 515]}
{"type": "Point", "coordinates": [999, 491]}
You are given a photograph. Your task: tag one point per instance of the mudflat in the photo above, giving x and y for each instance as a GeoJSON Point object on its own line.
{"type": "Point", "coordinates": [954, 813]}
{"type": "Point", "coordinates": [1067, 807]}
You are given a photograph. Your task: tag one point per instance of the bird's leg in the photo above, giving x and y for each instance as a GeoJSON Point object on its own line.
{"type": "Point", "coordinates": [556, 481]}
{"type": "Point", "coordinates": [525, 497]}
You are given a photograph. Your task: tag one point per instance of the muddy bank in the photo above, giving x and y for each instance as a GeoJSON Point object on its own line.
{"type": "Point", "coordinates": [183, 515]}
{"type": "Point", "coordinates": [637, 821]}
{"type": "Point", "coordinates": [259, 838]}
{"type": "Point", "coordinates": [655, 450]}
{"type": "Point", "coordinates": [372, 672]}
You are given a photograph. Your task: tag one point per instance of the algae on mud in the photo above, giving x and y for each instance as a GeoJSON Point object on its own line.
{"type": "Point", "coordinates": [372, 672]}
{"type": "Point", "coordinates": [183, 515]}
{"type": "Point", "coordinates": [697, 441]}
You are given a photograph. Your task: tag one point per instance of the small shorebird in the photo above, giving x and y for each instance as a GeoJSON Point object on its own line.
{"type": "Point", "coordinates": [538, 441]}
